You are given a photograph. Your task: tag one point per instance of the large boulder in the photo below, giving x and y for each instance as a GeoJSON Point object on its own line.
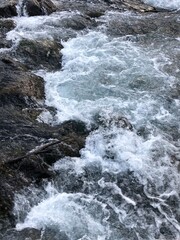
{"type": "Point", "coordinates": [40, 54]}
{"type": "Point", "coordinates": [38, 7]}
{"type": "Point", "coordinates": [8, 8]}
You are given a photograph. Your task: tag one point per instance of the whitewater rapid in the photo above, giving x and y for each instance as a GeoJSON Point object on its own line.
{"type": "Point", "coordinates": [166, 4]}
{"type": "Point", "coordinates": [125, 185]}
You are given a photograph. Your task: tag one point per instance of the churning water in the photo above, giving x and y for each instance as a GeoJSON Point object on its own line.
{"type": "Point", "coordinates": [173, 4]}
{"type": "Point", "coordinates": [125, 185]}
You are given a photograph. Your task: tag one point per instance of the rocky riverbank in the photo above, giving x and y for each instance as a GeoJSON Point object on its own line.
{"type": "Point", "coordinates": [28, 147]}
{"type": "Point", "coordinates": [21, 98]}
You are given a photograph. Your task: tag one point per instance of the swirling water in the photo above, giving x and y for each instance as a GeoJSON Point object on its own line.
{"type": "Point", "coordinates": [125, 185]}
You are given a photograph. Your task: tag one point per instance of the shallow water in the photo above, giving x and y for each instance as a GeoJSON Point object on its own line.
{"type": "Point", "coordinates": [125, 185]}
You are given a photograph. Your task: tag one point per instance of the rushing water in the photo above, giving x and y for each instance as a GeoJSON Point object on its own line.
{"type": "Point", "coordinates": [125, 185]}
{"type": "Point", "coordinates": [173, 4]}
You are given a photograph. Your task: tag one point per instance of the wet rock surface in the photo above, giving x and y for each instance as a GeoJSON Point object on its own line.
{"type": "Point", "coordinates": [5, 26]}
{"type": "Point", "coordinates": [156, 24]}
{"type": "Point", "coordinates": [8, 8]}
{"type": "Point", "coordinates": [30, 7]}
{"type": "Point", "coordinates": [34, 234]}
{"type": "Point", "coordinates": [97, 8]}
{"type": "Point", "coordinates": [21, 98]}
{"type": "Point", "coordinates": [40, 54]}
{"type": "Point", "coordinates": [29, 233]}
{"type": "Point", "coordinates": [37, 8]}
{"type": "Point", "coordinates": [18, 84]}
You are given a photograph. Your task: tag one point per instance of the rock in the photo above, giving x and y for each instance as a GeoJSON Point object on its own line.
{"type": "Point", "coordinates": [19, 136]}
{"type": "Point", "coordinates": [34, 234]}
{"type": "Point", "coordinates": [138, 6]}
{"type": "Point", "coordinates": [40, 54]}
{"type": "Point", "coordinates": [18, 88]}
{"type": "Point", "coordinates": [38, 7]}
{"type": "Point", "coordinates": [27, 147]}
{"type": "Point", "coordinates": [77, 22]}
{"type": "Point", "coordinates": [161, 23]}
{"type": "Point", "coordinates": [50, 234]}
{"type": "Point", "coordinates": [109, 121]}
{"type": "Point", "coordinates": [27, 233]}
{"type": "Point", "coordinates": [17, 84]}
{"type": "Point", "coordinates": [5, 26]}
{"type": "Point", "coordinates": [85, 7]}
{"type": "Point", "coordinates": [8, 8]}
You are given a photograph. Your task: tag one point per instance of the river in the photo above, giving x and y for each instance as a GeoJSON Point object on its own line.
{"type": "Point", "coordinates": [125, 184]}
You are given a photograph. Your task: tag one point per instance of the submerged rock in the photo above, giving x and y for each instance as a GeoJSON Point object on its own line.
{"type": "Point", "coordinates": [40, 54]}
{"type": "Point", "coordinates": [116, 120]}
{"type": "Point", "coordinates": [8, 8]}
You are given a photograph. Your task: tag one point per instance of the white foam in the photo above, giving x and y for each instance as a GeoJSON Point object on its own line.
{"type": "Point", "coordinates": [167, 4]}
{"type": "Point", "coordinates": [101, 73]}
{"type": "Point", "coordinates": [68, 212]}
{"type": "Point", "coordinates": [41, 27]}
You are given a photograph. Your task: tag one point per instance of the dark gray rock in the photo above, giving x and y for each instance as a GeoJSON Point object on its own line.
{"type": "Point", "coordinates": [8, 8]}
{"type": "Point", "coordinates": [90, 8]}
{"type": "Point", "coordinates": [5, 26]}
{"type": "Point", "coordinates": [40, 54]}
{"type": "Point", "coordinates": [138, 5]}
{"type": "Point", "coordinates": [17, 84]}
{"type": "Point", "coordinates": [27, 147]}
{"type": "Point", "coordinates": [154, 23]}
{"type": "Point", "coordinates": [118, 121]}
{"type": "Point", "coordinates": [54, 234]}
{"type": "Point", "coordinates": [38, 7]}
{"type": "Point", "coordinates": [97, 8]}
{"type": "Point", "coordinates": [27, 233]}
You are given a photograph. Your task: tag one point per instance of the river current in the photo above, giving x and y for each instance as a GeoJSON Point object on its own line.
{"type": "Point", "coordinates": [125, 185]}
